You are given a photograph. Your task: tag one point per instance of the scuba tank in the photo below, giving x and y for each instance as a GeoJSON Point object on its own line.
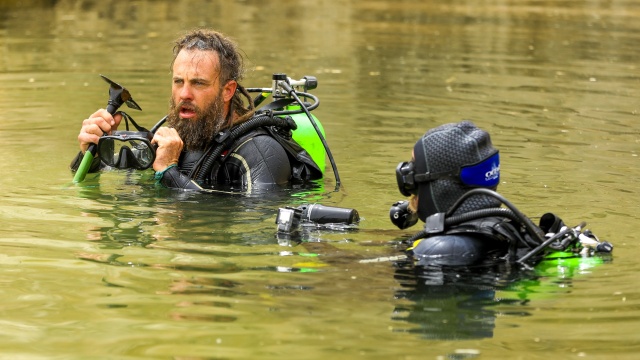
{"type": "Point", "coordinates": [306, 136]}
{"type": "Point", "coordinates": [309, 133]}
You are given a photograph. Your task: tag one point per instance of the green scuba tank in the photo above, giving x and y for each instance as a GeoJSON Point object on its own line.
{"type": "Point", "coordinates": [308, 138]}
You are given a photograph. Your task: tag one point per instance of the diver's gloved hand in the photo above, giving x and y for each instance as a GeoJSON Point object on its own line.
{"type": "Point", "coordinates": [401, 216]}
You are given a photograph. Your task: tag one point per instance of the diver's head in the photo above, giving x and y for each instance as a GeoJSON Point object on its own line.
{"type": "Point", "coordinates": [448, 161]}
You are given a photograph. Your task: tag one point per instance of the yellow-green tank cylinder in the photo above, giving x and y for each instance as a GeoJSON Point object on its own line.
{"type": "Point", "coordinates": [308, 138]}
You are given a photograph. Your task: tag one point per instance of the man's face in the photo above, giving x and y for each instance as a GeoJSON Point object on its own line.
{"type": "Point", "coordinates": [195, 82]}
{"type": "Point", "coordinates": [197, 109]}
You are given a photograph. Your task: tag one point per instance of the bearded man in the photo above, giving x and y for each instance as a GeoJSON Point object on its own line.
{"type": "Point", "coordinates": [206, 98]}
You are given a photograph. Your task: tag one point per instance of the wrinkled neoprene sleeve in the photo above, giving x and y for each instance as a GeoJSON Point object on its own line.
{"type": "Point", "coordinates": [173, 178]}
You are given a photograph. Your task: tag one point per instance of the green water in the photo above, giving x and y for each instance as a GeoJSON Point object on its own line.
{"type": "Point", "coordinates": [118, 268]}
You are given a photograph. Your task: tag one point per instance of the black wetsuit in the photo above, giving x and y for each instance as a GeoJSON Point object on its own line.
{"type": "Point", "coordinates": [258, 160]}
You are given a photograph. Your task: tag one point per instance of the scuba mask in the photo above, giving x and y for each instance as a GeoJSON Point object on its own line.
{"type": "Point", "coordinates": [485, 173]}
{"type": "Point", "coordinates": [128, 149]}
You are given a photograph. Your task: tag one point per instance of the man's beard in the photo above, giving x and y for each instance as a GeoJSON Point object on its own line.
{"type": "Point", "coordinates": [197, 133]}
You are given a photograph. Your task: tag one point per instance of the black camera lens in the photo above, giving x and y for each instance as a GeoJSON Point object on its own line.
{"type": "Point", "coordinates": [321, 214]}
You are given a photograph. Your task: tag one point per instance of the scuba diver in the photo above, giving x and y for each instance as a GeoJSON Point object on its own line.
{"type": "Point", "coordinates": [451, 181]}
{"type": "Point", "coordinates": [471, 247]}
{"type": "Point", "coordinates": [212, 139]}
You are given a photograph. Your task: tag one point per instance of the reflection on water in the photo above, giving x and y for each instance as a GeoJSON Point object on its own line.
{"type": "Point", "coordinates": [450, 304]}
{"type": "Point", "coordinates": [118, 266]}
{"type": "Point", "coordinates": [463, 304]}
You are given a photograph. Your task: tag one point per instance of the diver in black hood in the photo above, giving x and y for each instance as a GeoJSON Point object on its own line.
{"type": "Point", "coordinates": [451, 181]}
{"type": "Point", "coordinates": [471, 246]}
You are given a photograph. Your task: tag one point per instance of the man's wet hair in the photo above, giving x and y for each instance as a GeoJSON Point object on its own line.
{"type": "Point", "coordinates": [231, 64]}
{"type": "Point", "coordinates": [231, 60]}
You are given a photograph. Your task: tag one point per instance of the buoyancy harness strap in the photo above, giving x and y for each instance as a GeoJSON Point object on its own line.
{"type": "Point", "coordinates": [230, 150]}
{"type": "Point", "coordinates": [223, 140]}
{"type": "Point", "coordinates": [303, 167]}
{"type": "Point", "coordinates": [498, 228]}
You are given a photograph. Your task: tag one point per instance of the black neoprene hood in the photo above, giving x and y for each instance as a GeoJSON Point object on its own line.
{"type": "Point", "coordinates": [448, 148]}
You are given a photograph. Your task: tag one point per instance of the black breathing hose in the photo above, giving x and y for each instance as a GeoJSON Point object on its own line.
{"type": "Point", "coordinates": [158, 124]}
{"type": "Point", "coordinates": [472, 215]}
{"type": "Point", "coordinates": [316, 103]}
{"type": "Point", "coordinates": [229, 137]}
{"type": "Point", "coordinates": [521, 218]}
{"type": "Point", "coordinates": [511, 213]}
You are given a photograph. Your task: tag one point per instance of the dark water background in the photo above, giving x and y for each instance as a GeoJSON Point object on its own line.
{"type": "Point", "coordinates": [117, 268]}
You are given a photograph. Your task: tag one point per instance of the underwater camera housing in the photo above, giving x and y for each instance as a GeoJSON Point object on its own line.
{"type": "Point", "coordinates": [289, 219]}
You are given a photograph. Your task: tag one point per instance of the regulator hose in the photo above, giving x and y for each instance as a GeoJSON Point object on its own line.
{"type": "Point", "coordinates": [472, 215]}
{"type": "Point", "coordinates": [293, 94]}
{"type": "Point", "coordinates": [521, 218]}
{"type": "Point", "coordinates": [316, 103]}
{"type": "Point", "coordinates": [158, 124]}
{"type": "Point", "coordinates": [224, 139]}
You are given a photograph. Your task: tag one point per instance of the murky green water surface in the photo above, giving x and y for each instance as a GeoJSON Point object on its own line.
{"type": "Point", "coordinates": [118, 268]}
